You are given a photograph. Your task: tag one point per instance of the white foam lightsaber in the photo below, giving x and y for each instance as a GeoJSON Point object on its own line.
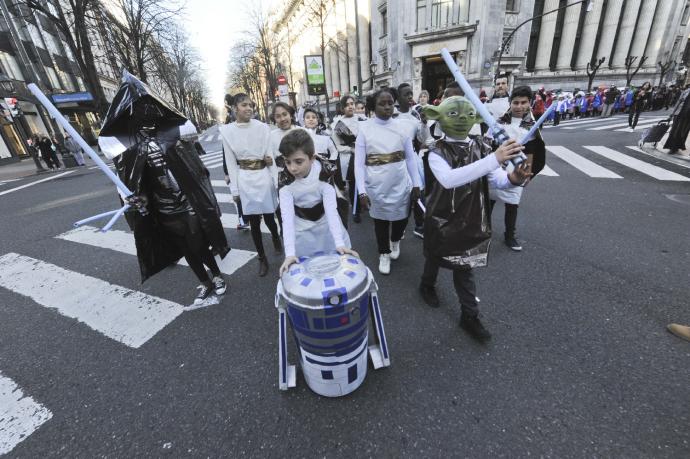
{"type": "Point", "coordinates": [497, 132]}
{"type": "Point", "coordinates": [542, 119]}
{"type": "Point", "coordinates": [55, 113]}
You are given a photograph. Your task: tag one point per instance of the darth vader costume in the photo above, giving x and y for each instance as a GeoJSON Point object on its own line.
{"type": "Point", "coordinates": [174, 212]}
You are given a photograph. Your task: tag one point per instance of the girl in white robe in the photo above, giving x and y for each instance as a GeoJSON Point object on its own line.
{"type": "Point", "coordinates": [387, 175]}
{"type": "Point", "coordinates": [251, 165]}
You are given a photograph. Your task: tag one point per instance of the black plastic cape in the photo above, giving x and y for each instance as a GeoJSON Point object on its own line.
{"type": "Point", "coordinates": [134, 107]}
{"type": "Point", "coordinates": [457, 224]}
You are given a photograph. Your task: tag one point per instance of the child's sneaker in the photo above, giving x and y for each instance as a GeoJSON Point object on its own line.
{"type": "Point", "coordinates": [219, 286]}
{"type": "Point", "coordinates": [395, 250]}
{"type": "Point", "coordinates": [385, 263]}
{"type": "Point", "coordinates": [204, 293]}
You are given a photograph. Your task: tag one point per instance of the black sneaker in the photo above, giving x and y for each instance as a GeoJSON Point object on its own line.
{"type": "Point", "coordinates": [204, 293]}
{"type": "Point", "coordinates": [219, 286]}
{"type": "Point", "coordinates": [513, 243]}
{"type": "Point", "coordinates": [429, 296]}
{"type": "Point", "coordinates": [473, 326]}
{"type": "Point", "coordinates": [356, 218]}
{"type": "Point", "coordinates": [419, 231]}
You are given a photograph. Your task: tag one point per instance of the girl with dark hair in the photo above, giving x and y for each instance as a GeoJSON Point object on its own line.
{"type": "Point", "coordinates": [345, 129]}
{"type": "Point", "coordinates": [283, 115]}
{"type": "Point", "coordinates": [387, 175]}
{"type": "Point", "coordinates": [323, 143]}
{"type": "Point", "coordinates": [251, 163]}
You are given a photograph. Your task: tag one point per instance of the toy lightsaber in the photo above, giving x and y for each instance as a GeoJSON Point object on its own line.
{"type": "Point", "coordinates": [542, 119]}
{"type": "Point", "coordinates": [497, 132]}
{"type": "Point", "coordinates": [55, 113]}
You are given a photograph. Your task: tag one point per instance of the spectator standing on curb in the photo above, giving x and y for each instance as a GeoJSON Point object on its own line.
{"type": "Point", "coordinates": [681, 124]}
{"type": "Point", "coordinates": [75, 150]}
{"type": "Point", "coordinates": [33, 152]}
{"type": "Point", "coordinates": [611, 97]}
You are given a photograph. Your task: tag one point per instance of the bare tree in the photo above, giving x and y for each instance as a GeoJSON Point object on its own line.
{"type": "Point", "coordinates": [74, 20]}
{"type": "Point", "coordinates": [319, 11]}
{"type": "Point", "coordinates": [665, 67]}
{"type": "Point", "coordinates": [142, 24]}
{"type": "Point", "coordinates": [592, 69]}
{"type": "Point", "coordinates": [245, 72]}
{"type": "Point", "coordinates": [629, 64]}
{"type": "Point", "coordinates": [266, 51]}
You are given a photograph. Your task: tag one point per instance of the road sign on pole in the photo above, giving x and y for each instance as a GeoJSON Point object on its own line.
{"type": "Point", "coordinates": [316, 75]}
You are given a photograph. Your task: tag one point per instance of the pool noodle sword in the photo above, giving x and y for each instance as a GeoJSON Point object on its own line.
{"type": "Point", "coordinates": [55, 113]}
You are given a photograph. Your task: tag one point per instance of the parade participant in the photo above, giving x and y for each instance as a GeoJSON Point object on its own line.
{"type": "Point", "coordinates": [638, 104]}
{"type": "Point", "coordinates": [457, 224]}
{"type": "Point", "coordinates": [361, 109]}
{"type": "Point", "coordinates": [283, 115]}
{"type": "Point", "coordinates": [308, 202]}
{"type": "Point", "coordinates": [251, 163]}
{"type": "Point", "coordinates": [345, 130]}
{"type": "Point", "coordinates": [173, 210]}
{"type": "Point", "coordinates": [423, 99]}
{"type": "Point", "coordinates": [387, 175]}
{"type": "Point", "coordinates": [242, 225]}
{"type": "Point", "coordinates": [518, 121]}
{"type": "Point", "coordinates": [499, 101]}
{"type": "Point", "coordinates": [418, 131]}
{"type": "Point", "coordinates": [681, 124]}
{"type": "Point", "coordinates": [324, 146]}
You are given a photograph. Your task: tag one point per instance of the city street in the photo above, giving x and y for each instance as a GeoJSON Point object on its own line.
{"type": "Point", "coordinates": [580, 364]}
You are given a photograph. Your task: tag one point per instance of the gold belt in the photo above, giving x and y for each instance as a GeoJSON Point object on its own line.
{"type": "Point", "coordinates": [379, 159]}
{"type": "Point", "coordinates": [251, 164]}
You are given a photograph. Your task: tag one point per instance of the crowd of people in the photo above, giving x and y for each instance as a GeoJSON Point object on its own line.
{"type": "Point", "coordinates": [51, 149]}
{"type": "Point", "coordinates": [392, 157]}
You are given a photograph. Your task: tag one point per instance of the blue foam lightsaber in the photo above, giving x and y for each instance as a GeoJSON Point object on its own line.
{"type": "Point", "coordinates": [55, 113]}
{"type": "Point", "coordinates": [497, 132]}
{"type": "Point", "coordinates": [542, 119]}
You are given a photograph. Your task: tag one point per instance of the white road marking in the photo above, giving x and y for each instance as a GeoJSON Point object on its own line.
{"type": "Point", "coordinates": [640, 166]}
{"type": "Point", "coordinates": [209, 156]}
{"type": "Point", "coordinates": [215, 166]}
{"type": "Point", "coordinates": [213, 162]}
{"type": "Point", "coordinates": [220, 183]}
{"type": "Point", "coordinates": [125, 315]}
{"type": "Point", "coordinates": [640, 126]}
{"type": "Point", "coordinates": [12, 190]}
{"type": "Point", "coordinates": [231, 221]}
{"type": "Point", "coordinates": [20, 415]}
{"type": "Point", "coordinates": [611, 126]}
{"type": "Point", "coordinates": [581, 163]}
{"type": "Point", "coordinates": [123, 242]}
{"type": "Point", "coordinates": [548, 172]}
{"type": "Point", "coordinates": [662, 156]}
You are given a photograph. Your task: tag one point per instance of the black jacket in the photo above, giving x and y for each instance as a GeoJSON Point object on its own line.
{"type": "Point", "coordinates": [154, 250]}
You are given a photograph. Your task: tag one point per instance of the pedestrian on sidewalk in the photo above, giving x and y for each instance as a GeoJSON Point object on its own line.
{"type": "Point", "coordinates": [681, 123]}
{"type": "Point", "coordinates": [34, 153]}
{"type": "Point", "coordinates": [75, 150]}
{"type": "Point", "coordinates": [611, 96]}
{"type": "Point", "coordinates": [44, 146]}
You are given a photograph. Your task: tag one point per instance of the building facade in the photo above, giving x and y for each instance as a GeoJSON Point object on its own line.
{"type": "Point", "coordinates": [553, 51]}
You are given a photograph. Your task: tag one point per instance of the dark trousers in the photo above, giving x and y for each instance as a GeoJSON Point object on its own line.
{"type": "Point", "coordinates": [510, 218]}
{"type": "Point", "coordinates": [255, 225]}
{"type": "Point", "coordinates": [240, 215]}
{"type": "Point", "coordinates": [351, 184]}
{"type": "Point", "coordinates": [185, 230]}
{"type": "Point", "coordinates": [633, 116]}
{"type": "Point", "coordinates": [387, 231]}
{"type": "Point", "coordinates": [557, 119]}
{"type": "Point", "coordinates": [463, 281]}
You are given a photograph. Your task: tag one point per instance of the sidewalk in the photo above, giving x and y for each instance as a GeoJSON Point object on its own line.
{"type": "Point", "coordinates": [27, 168]}
{"type": "Point", "coordinates": [682, 158]}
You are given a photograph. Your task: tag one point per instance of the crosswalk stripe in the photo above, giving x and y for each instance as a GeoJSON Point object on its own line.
{"type": "Point", "coordinates": [663, 157]}
{"type": "Point", "coordinates": [123, 242]}
{"type": "Point", "coordinates": [640, 166]}
{"type": "Point", "coordinates": [213, 162]}
{"type": "Point", "coordinates": [220, 183]}
{"type": "Point", "coordinates": [610, 123]}
{"type": "Point", "coordinates": [231, 221]}
{"type": "Point", "coordinates": [639, 127]}
{"type": "Point", "coordinates": [588, 167]}
{"type": "Point", "coordinates": [127, 316]}
{"type": "Point", "coordinates": [548, 172]}
{"type": "Point", "coordinates": [215, 166]}
{"type": "Point", "coordinates": [20, 415]}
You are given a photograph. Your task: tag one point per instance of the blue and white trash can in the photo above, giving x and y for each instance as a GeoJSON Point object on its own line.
{"type": "Point", "coordinates": [329, 300]}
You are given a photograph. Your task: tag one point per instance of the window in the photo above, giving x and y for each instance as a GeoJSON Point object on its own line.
{"type": "Point", "coordinates": [464, 11]}
{"type": "Point", "coordinates": [9, 63]}
{"type": "Point", "coordinates": [686, 14]}
{"type": "Point", "coordinates": [441, 13]}
{"type": "Point", "coordinates": [66, 80]}
{"type": "Point", "coordinates": [52, 78]}
{"type": "Point", "coordinates": [384, 61]}
{"type": "Point", "coordinates": [512, 6]}
{"type": "Point", "coordinates": [384, 22]}
{"type": "Point", "coordinates": [421, 15]}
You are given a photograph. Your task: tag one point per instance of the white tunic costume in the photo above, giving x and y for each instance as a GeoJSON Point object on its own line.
{"type": "Point", "coordinates": [304, 237]}
{"type": "Point", "coordinates": [353, 123]}
{"type": "Point", "coordinates": [256, 188]}
{"type": "Point", "coordinates": [387, 185]}
{"type": "Point", "coordinates": [323, 145]}
{"type": "Point", "coordinates": [510, 195]}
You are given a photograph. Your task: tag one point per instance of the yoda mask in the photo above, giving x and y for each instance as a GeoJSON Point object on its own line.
{"type": "Point", "coordinates": [456, 115]}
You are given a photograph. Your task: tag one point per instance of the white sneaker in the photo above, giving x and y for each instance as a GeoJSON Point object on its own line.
{"type": "Point", "coordinates": [385, 263]}
{"type": "Point", "coordinates": [395, 250]}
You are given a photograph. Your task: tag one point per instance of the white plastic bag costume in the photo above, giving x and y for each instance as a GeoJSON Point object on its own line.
{"type": "Point", "coordinates": [302, 236]}
{"type": "Point", "coordinates": [387, 185]}
{"type": "Point", "coordinates": [323, 145]}
{"type": "Point", "coordinates": [510, 195]}
{"type": "Point", "coordinates": [256, 188]}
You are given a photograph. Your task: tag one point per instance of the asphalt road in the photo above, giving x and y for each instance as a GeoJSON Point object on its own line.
{"type": "Point", "coordinates": [580, 363]}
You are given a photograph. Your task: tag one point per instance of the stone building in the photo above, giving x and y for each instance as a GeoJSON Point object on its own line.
{"type": "Point", "coordinates": [407, 36]}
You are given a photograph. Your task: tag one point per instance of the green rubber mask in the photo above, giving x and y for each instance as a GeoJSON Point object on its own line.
{"type": "Point", "coordinates": [456, 115]}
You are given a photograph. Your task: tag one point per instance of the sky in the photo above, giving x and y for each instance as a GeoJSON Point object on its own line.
{"type": "Point", "coordinates": [213, 26]}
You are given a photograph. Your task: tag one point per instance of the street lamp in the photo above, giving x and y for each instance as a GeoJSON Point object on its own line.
{"type": "Point", "coordinates": [590, 7]}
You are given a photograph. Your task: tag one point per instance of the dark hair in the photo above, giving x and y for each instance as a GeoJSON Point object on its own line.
{"type": "Point", "coordinates": [453, 84]}
{"type": "Point", "coordinates": [297, 139]}
{"type": "Point", "coordinates": [229, 100]}
{"type": "Point", "coordinates": [501, 76]}
{"type": "Point", "coordinates": [289, 108]}
{"type": "Point", "coordinates": [522, 91]}
{"type": "Point", "coordinates": [241, 97]}
{"type": "Point", "coordinates": [360, 102]}
{"type": "Point", "coordinates": [452, 91]}
{"type": "Point", "coordinates": [403, 85]}
{"type": "Point", "coordinates": [371, 100]}
{"type": "Point", "coordinates": [345, 98]}
{"type": "Point", "coordinates": [319, 115]}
